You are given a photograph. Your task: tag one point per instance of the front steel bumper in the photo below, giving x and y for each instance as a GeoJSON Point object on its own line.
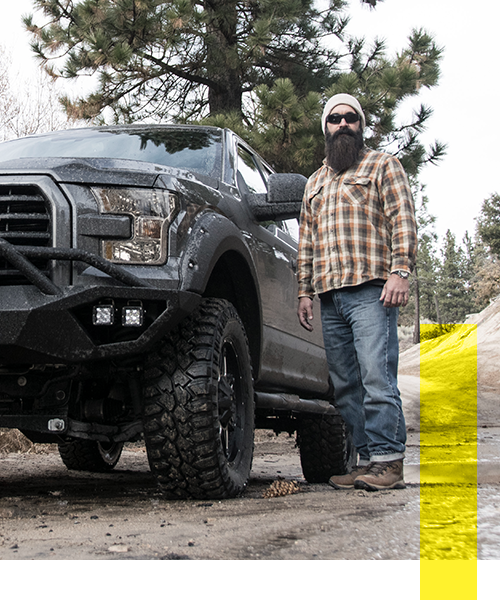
{"type": "Point", "coordinates": [46, 323]}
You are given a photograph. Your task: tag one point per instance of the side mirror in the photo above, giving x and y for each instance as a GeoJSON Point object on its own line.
{"type": "Point", "coordinates": [283, 199]}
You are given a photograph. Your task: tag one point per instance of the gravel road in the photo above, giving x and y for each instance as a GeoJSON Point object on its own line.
{"type": "Point", "coordinates": [48, 512]}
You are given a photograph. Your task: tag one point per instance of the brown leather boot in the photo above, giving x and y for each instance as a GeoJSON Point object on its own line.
{"type": "Point", "coordinates": [382, 476]}
{"type": "Point", "coordinates": [345, 482]}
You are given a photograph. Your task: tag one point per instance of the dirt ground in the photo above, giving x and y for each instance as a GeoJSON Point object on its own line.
{"type": "Point", "coordinates": [48, 512]}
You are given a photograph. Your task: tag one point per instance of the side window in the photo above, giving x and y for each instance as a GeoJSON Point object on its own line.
{"type": "Point", "coordinates": [249, 172]}
{"type": "Point", "coordinates": [291, 226]}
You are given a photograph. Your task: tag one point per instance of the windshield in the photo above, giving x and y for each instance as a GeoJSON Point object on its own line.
{"type": "Point", "coordinates": [194, 149]}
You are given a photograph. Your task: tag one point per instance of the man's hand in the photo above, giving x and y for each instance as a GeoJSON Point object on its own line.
{"type": "Point", "coordinates": [396, 291]}
{"type": "Point", "coordinates": [305, 312]}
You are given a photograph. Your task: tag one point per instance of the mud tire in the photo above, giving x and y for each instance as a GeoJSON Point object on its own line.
{"type": "Point", "coordinates": [199, 406]}
{"type": "Point", "coordinates": [87, 455]}
{"type": "Point", "coordinates": [325, 447]}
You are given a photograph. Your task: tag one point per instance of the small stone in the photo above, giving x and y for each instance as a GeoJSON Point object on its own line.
{"type": "Point", "coordinates": [118, 548]}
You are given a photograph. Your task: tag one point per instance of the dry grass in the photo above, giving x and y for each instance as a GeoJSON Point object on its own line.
{"type": "Point", "coordinates": [405, 335]}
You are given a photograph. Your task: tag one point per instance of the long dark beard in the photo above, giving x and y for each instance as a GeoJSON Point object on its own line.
{"type": "Point", "coordinates": [342, 148]}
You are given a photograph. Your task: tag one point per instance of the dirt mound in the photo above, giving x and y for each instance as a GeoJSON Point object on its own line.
{"type": "Point", "coordinates": [12, 440]}
{"type": "Point", "coordinates": [488, 358]}
{"type": "Point", "coordinates": [488, 347]}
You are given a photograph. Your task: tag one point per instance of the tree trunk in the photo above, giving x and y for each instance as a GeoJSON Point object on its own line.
{"type": "Point", "coordinates": [226, 96]}
{"type": "Point", "coordinates": [438, 316]}
{"type": "Point", "coordinates": [223, 62]}
{"type": "Point", "coordinates": [416, 328]}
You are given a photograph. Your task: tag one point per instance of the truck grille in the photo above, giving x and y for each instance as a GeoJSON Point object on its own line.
{"type": "Point", "coordinates": [24, 221]}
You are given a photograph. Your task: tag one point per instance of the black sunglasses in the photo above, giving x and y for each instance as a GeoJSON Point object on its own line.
{"type": "Point", "coordinates": [336, 119]}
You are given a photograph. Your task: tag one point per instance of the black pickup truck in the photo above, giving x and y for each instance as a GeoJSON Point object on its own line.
{"type": "Point", "coordinates": [147, 289]}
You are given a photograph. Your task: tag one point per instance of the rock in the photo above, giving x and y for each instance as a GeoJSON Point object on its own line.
{"type": "Point", "coordinates": [118, 548]}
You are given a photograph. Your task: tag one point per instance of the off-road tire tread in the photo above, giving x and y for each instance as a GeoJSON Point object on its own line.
{"type": "Point", "coordinates": [325, 447]}
{"type": "Point", "coordinates": [181, 413]}
{"type": "Point", "coordinates": [84, 455]}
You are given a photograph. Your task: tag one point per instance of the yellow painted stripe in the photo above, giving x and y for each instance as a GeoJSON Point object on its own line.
{"type": "Point", "coordinates": [448, 465]}
{"type": "Point", "coordinates": [448, 579]}
{"type": "Point", "coordinates": [448, 474]}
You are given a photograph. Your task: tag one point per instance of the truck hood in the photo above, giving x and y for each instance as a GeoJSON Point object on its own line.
{"type": "Point", "coordinates": [101, 171]}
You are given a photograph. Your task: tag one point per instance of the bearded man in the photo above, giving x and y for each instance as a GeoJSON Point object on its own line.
{"type": "Point", "coordinates": [357, 248]}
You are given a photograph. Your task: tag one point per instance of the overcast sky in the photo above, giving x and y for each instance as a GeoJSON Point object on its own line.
{"type": "Point", "coordinates": [464, 104]}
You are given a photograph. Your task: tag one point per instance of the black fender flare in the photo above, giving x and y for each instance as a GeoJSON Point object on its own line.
{"type": "Point", "coordinates": [211, 236]}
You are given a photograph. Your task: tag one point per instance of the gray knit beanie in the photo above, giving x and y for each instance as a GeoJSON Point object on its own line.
{"type": "Point", "coordinates": [342, 99]}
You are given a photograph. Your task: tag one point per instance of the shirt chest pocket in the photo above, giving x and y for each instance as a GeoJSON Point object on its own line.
{"type": "Point", "coordinates": [317, 202]}
{"type": "Point", "coordinates": [355, 190]}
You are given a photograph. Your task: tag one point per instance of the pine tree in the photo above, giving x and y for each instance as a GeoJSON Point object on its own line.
{"type": "Point", "coordinates": [486, 280]}
{"type": "Point", "coordinates": [382, 85]}
{"type": "Point", "coordinates": [428, 265]}
{"type": "Point", "coordinates": [454, 287]}
{"type": "Point", "coordinates": [266, 67]}
{"type": "Point", "coordinates": [424, 279]}
{"type": "Point", "coordinates": [488, 224]}
{"type": "Point", "coordinates": [285, 126]}
{"type": "Point", "coordinates": [179, 58]}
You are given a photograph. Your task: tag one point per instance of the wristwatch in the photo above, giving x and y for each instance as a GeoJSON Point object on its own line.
{"type": "Point", "coordinates": [402, 274]}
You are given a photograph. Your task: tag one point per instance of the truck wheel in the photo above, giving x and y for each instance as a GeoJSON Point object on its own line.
{"type": "Point", "coordinates": [87, 455]}
{"type": "Point", "coordinates": [325, 447]}
{"type": "Point", "coordinates": [199, 406]}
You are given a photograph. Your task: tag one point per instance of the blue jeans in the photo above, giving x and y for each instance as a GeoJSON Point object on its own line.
{"type": "Point", "coordinates": [361, 343]}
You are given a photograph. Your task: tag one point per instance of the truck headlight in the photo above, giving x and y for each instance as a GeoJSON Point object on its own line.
{"type": "Point", "coordinates": [152, 211]}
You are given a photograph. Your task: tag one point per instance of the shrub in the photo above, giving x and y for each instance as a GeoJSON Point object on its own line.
{"type": "Point", "coordinates": [436, 331]}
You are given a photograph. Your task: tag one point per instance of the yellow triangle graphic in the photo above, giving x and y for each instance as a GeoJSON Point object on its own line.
{"type": "Point", "coordinates": [446, 580]}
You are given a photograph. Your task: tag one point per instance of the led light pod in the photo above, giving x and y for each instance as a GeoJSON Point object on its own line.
{"type": "Point", "coordinates": [103, 314]}
{"type": "Point", "coordinates": [132, 316]}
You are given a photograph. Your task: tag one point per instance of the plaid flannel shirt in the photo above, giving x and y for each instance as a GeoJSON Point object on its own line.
{"type": "Point", "coordinates": [357, 225]}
